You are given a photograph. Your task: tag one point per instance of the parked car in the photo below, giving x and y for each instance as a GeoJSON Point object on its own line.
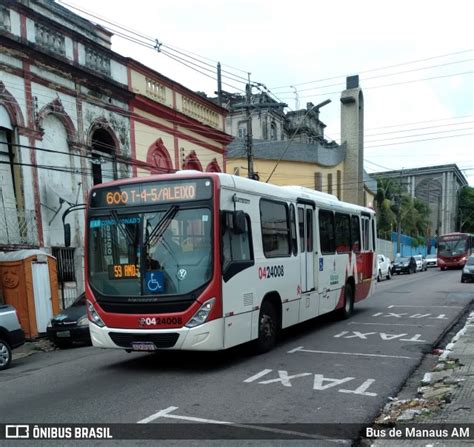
{"type": "Point", "coordinates": [404, 264]}
{"type": "Point", "coordinates": [432, 260]}
{"type": "Point", "coordinates": [468, 270]}
{"type": "Point", "coordinates": [420, 263]}
{"type": "Point", "coordinates": [384, 268]}
{"type": "Point", "coordinates": [71, 325]}
{"type": "Point", "coordinates": [11, 334]}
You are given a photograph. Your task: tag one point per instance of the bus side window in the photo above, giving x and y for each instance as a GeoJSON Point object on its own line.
{"type": "Point", "coordinates": [275, 228]}
{"type": "Point", "coordinates": [355, 234]}
{"type": "Point", "coordinates": [374, 235]}
{"type": "Point", "coordinates": [326, 232]}
{"type": "Point", "coordinates": [294, 235]}
{"type": "Point", "coordinates": [343, 234]}
{"type": "Point", "coordinates": [301, 229]}
{"type": "Point", "coordinates": [365, 233]}
{"type": "Point", "coordinates": [309, 226]}
{"type": "Point", "coordinates": [237, 253]}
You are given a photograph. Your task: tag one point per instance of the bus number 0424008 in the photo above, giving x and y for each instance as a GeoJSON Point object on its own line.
{"type": "Point", "coordinates": [274, 271]}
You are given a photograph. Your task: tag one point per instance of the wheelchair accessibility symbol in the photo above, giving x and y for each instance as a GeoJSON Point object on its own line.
{"type": "Point", "coordinates": [155, 281]}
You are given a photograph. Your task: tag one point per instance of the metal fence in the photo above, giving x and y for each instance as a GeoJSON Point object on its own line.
{"type": "Point", "coordinates": [66, 274]}
{"type": "Point", "coordinates": [18, 227]}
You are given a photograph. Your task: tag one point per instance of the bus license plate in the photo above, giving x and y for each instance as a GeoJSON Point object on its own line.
{"type": "Point", "coordinates": [143, 346]}
{"type": "Point", "coordinates": [63, 334]}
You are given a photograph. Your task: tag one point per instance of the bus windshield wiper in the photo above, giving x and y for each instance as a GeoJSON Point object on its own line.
{"type": "Point", "coordinates": [123, 228]}
{"type": "Point", "coordinates": [161, 226]}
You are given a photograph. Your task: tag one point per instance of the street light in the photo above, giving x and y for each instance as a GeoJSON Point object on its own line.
{"type": "Point", "coordinates": [316, 107]}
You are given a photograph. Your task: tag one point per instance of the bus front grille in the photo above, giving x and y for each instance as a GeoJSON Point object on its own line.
{"type": "Point", "coordinates": [125, 340]}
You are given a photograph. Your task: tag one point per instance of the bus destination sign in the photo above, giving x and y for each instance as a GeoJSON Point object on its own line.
{"type": "Point", "coordinates": [124, 271]}
{"type": "Point", "coordinates": [151, 193]}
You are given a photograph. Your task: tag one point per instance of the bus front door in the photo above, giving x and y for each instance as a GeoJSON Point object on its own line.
{"type": "Point", "coordinates": [308, 307]}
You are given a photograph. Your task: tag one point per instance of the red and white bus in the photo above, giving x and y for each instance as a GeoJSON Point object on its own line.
{"type": "Point", "coordinates": [207, 261]}
{"type": "Point", "coordinates": [454, 249]}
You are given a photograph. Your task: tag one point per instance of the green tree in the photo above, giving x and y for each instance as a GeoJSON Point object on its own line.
{"type": "Point", "coordinates": [387, 190]}
{"type": "Point", "coordinates": [414, 213]}
{"type": "Point", "coordinates": [466, 210]}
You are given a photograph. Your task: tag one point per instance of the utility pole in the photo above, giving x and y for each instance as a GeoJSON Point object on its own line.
{"type": "Point", "coordinates": [219, 83]}
{"type": "Point", "coordinates": [316, 107]}
{"type": "Point", "coordinates": [248, 97]}
{"type": "Point", "coordinates": [399, 214]}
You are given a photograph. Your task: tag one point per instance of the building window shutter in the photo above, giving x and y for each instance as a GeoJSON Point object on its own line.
{"type": "Point", "coordinates": [318, 181]}
{"type": "Point", "coordinates": [339, 185]}
{"type": "Point", "coordinates": [329, 183]}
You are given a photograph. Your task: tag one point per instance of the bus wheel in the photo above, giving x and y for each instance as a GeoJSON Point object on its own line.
{"type": "Point", "coordinates": [267, 328]}
{"type": "Point", "coordinates": [348, 308]}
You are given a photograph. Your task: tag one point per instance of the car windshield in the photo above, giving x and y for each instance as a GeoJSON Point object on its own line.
{"type": "Point", "coordinates": [430, 256]}
{"type": "Point", "coordinates": [470, 261]}
{"type": "Point", "coordinates": [162, 252]}
{"type": "Point", "coordinates": [402, 259]}
{"type": "Point", "coordinates": [80, 300]}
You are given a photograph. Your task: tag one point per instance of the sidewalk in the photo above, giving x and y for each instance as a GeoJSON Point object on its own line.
{"type": "Point", "coordinates": [444, 395]}
{"type": "Point", "coordinates": [33, 347]}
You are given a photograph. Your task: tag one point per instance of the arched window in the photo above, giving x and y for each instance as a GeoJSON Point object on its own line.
{"type": "Point", "coordinates": [192, 162]}
{"type": "Point", "coordinates": [104, 145]}
{"type": "Point", "coordinates": [213, 166]}
{"type": "Point", "coordinates": [158, 158]}
{"type": "Point", "coordinates": [273, 131]}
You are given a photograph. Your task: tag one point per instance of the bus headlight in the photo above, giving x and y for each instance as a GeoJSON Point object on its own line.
{"type": "Point", "coordinates": [201, 315]}
{"type": "Point", "coordinates": [94, 316]}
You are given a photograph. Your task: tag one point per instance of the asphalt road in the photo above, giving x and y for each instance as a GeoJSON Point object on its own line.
{"type": "Point", "coordinates": [322, 372]}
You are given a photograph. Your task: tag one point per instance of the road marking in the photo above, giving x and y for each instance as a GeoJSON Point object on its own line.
{"type": "Point", "coordinates": [394, 324]}
{"type": "Point", "coordinates": [160, 414]}
{"type": "Point", "coordinates": [166, 414]}
{"type": "Point", "coordinates": [424, 307]}
{"type": "Point", "coordinates": [258, 375]}
{"type": "Point", "coordinates": [383, 336]}
{"type": "Point", "coordinates": [357, 354]}
{"type": "Point", "coordinates": [284, 378]}
{"type": "Point", "coordinates": [362, 390]}
{"type": "Point", "coordinates": [394, 315]}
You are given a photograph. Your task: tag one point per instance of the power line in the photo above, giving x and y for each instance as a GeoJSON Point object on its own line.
{"type": "Point", "coordinates": [385, 75]}
{"type": "Point", "coordinates": [395, 83]}
{"type": "Point", "coordinates": [147, 41]}
{"type": "Point", "coordinates": [416, 141]}
{"type": "Point", "coordinates": [380, 68]}
{"type": "Point", "coordinates": [122, 112]}
{"type": "Point", "coordinates": [419, 135]}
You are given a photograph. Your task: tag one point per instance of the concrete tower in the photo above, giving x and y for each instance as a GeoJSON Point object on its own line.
{"type": "Point", "coordinates": [352, 136]}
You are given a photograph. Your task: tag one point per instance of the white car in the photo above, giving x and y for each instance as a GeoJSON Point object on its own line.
{"type": "Point", "coordinates": [384, 268]}
{"type": "Point", "coordinates": [420, 263]}
{"type": "Point", "coordinates": [432, 260]}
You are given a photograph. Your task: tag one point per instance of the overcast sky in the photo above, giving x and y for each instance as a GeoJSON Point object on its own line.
{"type": "Point", "coordinates": [415, 60]}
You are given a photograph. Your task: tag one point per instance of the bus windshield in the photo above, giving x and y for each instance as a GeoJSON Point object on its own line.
{"type": "Point", "coordinates": [452, 247]}
{"type": "Point", "coordinates": [167, 251]}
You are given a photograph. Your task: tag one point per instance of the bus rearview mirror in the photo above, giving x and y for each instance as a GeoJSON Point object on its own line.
{"type": "Point", "coordinates": [239, 222]}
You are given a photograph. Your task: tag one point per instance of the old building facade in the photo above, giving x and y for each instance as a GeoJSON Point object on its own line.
{"type": "Point", "coordinates": [73, 114]}
{"type": "Point", "coordinates": [438, 187]}
{"type": "Point", "coordinates": [297, 152]}
{"type": "Point", "coordinates": [173, 128]}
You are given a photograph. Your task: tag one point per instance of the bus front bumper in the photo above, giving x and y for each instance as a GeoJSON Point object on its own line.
{"type": "Point", "coordinates": [205, 337]}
